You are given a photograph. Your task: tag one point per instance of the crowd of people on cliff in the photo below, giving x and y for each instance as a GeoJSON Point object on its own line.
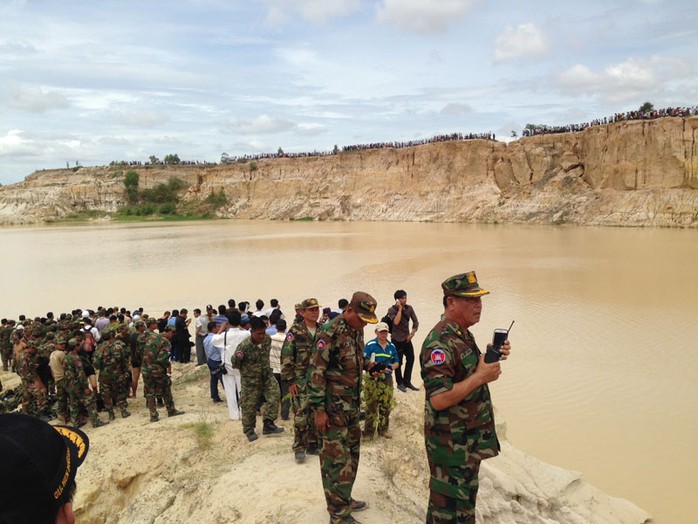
{"type": "Point", "coordinates": [617, 117]}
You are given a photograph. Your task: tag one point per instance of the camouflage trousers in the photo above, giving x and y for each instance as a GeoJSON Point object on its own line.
{"type": "Point", "coordinates": [253, 389]}
{"type": "Point", "coordinates": [6, 355]}
{"type": "Point", "coordinates": [458, 505]}
{"type": "Point", "coordinates": [34, 400]}
{"type": "Point", "coordinates": [304, 430]}
{"type": "Point", "coordinates": [379, 405]}
{"type": "Point", "coordinates": [339, 461]}
{"type": "Point", "coordinates": [158, 387]}
{"type": "Point", "coordinates": [62, 401]}
{"type": "Point", "coordinates": [114, 392]}
{"type": "Point", "coordinates": [78, 397]}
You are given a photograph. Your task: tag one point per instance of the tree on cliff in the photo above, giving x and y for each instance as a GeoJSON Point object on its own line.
{"type": "Point", "coordinates": [172, 159]}
{"type": "Point", "coordinates": [647, 107]}
{"type": "Point", "coordinates": [131, 184]}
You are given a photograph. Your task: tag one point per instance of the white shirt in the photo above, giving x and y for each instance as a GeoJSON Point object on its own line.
{"type": "Point", "coordinates": [228, 342]}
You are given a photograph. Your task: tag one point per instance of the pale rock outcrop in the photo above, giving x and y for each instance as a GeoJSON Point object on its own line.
{"type": "Point", "coordinates": [634, 173]}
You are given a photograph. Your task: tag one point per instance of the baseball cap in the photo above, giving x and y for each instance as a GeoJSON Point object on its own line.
{"type": "Point", "coordinates": [381, 326]}
{"type": "Point", "coordinates": [309, 303]}
{"type": "Point", "coordinates": [41, 462]}
{"type": "Point", "coordinates": [463, 285]}
{"type": "Point", "coordinates": [365, 306]}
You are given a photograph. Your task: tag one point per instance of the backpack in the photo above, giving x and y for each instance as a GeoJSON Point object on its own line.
{"type": "Point", "coordinates": [388, 321]}
{"type": "Point", "coordinates": [88, 345]}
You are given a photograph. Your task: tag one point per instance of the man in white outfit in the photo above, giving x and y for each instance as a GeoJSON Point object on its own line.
{"type": "Point", "coordinates": [227, 340]}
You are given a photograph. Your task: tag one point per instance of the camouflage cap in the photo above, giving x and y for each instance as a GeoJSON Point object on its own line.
{"type": "Point", "coordinates": [310, 303]}
{"type": "Point", "coordinates": [463, 285]}
{"type": "Point", "coordinates": [72, 342]}
{"type": "Point", "coordinates": [139, 324]}
{"type": "Point", "coordinates": [169, 329]}
{"type": "Point", "coordinates": [59, 340]}
{"type": "Point", "coordinates": [297, 307]}
{"type": "Point", "coordinates": [365, 306]}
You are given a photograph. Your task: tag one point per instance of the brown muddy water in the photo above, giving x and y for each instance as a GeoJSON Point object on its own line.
{"type": "Point", "coordinates": [603, 377]}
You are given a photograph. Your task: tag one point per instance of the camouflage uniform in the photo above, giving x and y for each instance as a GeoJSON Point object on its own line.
{"type": "Point", "coordinates": [78, 389]}
{"type": "Point", "coordinates": [34, 399]}
{"type": "Point", "coordinates": [257, 381]}
{"type": "Point", "coordinates": [111, 359]}
{"type": "Point", "coordinates": [457, 438]}
{"type": "Point", "coordinates": [6, 346]}
{"type": "Point", "coordinates": [155, 367]}
{"type": "Point", "coordinates": [334, 384]}
{"type": "Point", "coordinates": [295, 358]}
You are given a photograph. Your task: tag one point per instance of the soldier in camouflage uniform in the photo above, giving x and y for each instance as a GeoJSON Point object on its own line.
{"type": "Point", "coordinates": [155, 369]}
{"type": "Point", "coordinates": [6, 344]}
{"type": "Point", "coordinates": [251, 357]}
{"type": "Point", "coordinates": [334, 386]}
{"type": "Point", "coordinates": [111, 359]}
{"type": "Point", "coordinates": [34, 394]}
{"type": "Point", "coordinates": [78, 387]}
{"type": "Point", "coordinates": [459, 429]}
{"type": "Point", "coordinates": [295, 358]}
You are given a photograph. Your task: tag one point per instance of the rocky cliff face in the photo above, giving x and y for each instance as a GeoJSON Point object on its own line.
{"type": "Point", "coordinates": [636, 173]}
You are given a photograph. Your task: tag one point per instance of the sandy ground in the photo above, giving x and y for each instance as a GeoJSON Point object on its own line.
{"type": "Point", "coordinates": [199, 467]}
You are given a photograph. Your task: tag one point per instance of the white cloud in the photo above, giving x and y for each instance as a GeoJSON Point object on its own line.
{"type": "Point", "coordinates": [263, 124]}
{"type": "Point", "coordinates": [624, 81]}
{"type": "Point", "coordinates": [456, 108]}
{"type": "Point", "coordinates": [424, 17]}
{"type": "Point", "coordinates": [311, 129]}
{"type": "Point", "coordinates": [525, 41]}
{"type": "Point", "coordinates": [141, 118]}
{"type": "Point", "coordinates": [315, 11]}
{"type": "Point", "coordinates": [14, 143]}
{"type": "Point", "coordinates": [34, 99]}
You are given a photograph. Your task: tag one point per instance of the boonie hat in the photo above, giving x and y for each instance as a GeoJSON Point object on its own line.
{"type": "Point", "coordinates": [40, 463]}
{"type": "Point", "coordinates": [365, 306]}
{"type": "Point", "coordinates": [309, 303]}
{"type": "Point", "coordinates": [463, 285]}
{"type": "Point", "coordinates": [381, 326]}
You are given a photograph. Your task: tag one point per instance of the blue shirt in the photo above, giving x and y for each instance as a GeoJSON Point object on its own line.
{"type": "Point", "coordinates": [212, 352]}
{"type": "Point", "coordinates": [388, 354]}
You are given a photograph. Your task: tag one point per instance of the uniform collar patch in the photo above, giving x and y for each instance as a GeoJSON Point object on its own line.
{"type": "Point", "coordinates": [438, 356]}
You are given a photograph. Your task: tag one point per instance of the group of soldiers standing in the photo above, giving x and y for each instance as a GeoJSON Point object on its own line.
{"type": "Point", "coordinates": [68, 368]}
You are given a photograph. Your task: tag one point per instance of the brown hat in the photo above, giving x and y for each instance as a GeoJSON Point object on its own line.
{"type": "Point", "coordinates": [310, 303]}
{"type": "Point", "coordinates": [365, 306]}
{"type": "Point", "coordinates": [463, 285]}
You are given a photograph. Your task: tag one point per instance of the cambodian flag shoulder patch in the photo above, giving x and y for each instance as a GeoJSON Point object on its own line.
{"type": "Point", "coordinates": [438, 356]}
{"type": "Point", "coordinates": [320, 345]}
{"type": "Point", "coordinates": [289, 336]}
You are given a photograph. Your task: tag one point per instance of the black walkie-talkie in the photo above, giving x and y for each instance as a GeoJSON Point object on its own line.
{"type": "Point", "coordinates": [500, 336]}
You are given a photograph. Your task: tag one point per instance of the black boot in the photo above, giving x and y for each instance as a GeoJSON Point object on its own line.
{"type": "Point", "coordinates": [270, 428]}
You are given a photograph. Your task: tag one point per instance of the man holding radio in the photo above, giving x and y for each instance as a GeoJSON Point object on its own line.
{"type": "Point", "coordinates": [459, 429]}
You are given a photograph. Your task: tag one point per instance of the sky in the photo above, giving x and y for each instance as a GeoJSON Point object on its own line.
{"type": "Point", "coordinates": [95, 82]}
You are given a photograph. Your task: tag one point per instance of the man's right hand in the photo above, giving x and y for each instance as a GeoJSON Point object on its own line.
{"type": "Point", "coordinates": [293, 389]}
{"type": "Point", "coordinates": [322, 422]}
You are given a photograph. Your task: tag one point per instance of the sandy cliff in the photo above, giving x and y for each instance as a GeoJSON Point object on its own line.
{"type": "Point", "coordinates": [635, 173]}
